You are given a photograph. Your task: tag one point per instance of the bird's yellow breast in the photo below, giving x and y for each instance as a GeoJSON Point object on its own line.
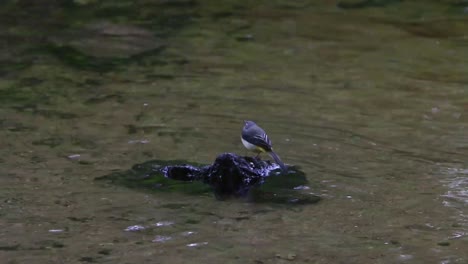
{"type": "Point", "coordinates": [252, 147]}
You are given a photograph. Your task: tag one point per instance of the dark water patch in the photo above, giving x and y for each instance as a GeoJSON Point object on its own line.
{"type": "Point", "coordinates": [179, 3]}
{"type": "Point", "coordinates": [85, 162]}
{"type": "Point", "coordinates": [78, 60]}
{"type": "Point", "coordinates": [163, 17]}
{"type": "Point", "coordinates": [461, 3]}
{"type": "Point", "coordinates": [118, 218]}
{"type": "Point", "coordinates": [56, 244]}
{"type": "Point", "coordinates": [358, 4]}
{"type": "Point", "coordinates": [337, 132]}
{"type": "Point", "coordinates": [15, 126]}
{"type": "Point", "coordinates": [32, 13]}
{"type": "Point", "coordinates": [164, 131]}
{"type": "Point", "coordinates": [114, 10]}
{"type": "Point", "coordinates": [443, 243]}
{"type": "Point", "coordinates": [244, 38]}
{"type": "Point", "coordinates": [131, 129]}
{"type": "Point", "coordinates": [80, 219]}
{"type": "Point", "coordinates": [83, 142]}
{"type": "Point", "coordinates": [153, 76]}
{"type": "Point", "coordinates": [51, 142]}
{"type": "Point", "coordinates": [241, 218]}
{"type": "Point", "coordinates": [105, 98]}
{"type": "Point", "coordinates": [109, 40]}
{"type": "Point", "coordinates": [37, 97]}
{"type": "Point", "coordinates": [35, 159]}
{"type": "Point", "coordinates": [27, 107]}
{"type": "Point", "coordinates": [92, 82]}
{"type": "Point", "coordinates": [151, 58]}
{"type": "Point", "coordinates": [10, 247]}
{"type": "Point", "coordinates": [55, 114]}
{"type": "Point", "coordinates": [30, 81]}
{"type": "Point", "coordinates": [414, 156]}
{"type": "Point", "coordinates": [22, 97]}
{"type": "Point", "coordinates": [191, 221]}
{"type": "Point", "coordinates": [334, 171]}
{"type": "Point", "coordinates": [88, 259]}
{"type": "Point", "coordinates": [443, 78]}
{"type": "Point", "coordinates": [105, 251]}
{"type": "Point", "coordinates": [427, 154]}
{"type": "Point", "coordinates": [167, 15]}
{"type": "Point", "coordinates": [181, 62]}
{"type": "Point", "coordinates": [12, 66]}
{"type": "Point", "coordinates": [295, 4]}
{"type": "Point", "coordinates": [436, 28]}
{"type": "Point", "coordinates": [84, 35]}
{"type": "Point", "coordinates": [222, 14]}
{"type": "Point", "coordinates": [175, 206]}
{"type": "Point", "coordinates": [285, 197]}
{"type": "Point", "coordinates": [420, 227]}
{"type": "Point", "coordinates": [41, 245]}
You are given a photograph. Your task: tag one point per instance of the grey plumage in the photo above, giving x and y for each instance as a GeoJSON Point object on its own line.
{"type": "Point", "coordinates": [254, 138]}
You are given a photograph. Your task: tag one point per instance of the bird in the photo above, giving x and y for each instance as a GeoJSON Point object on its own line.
{"type": "Point", "coordinates": [254, 138]}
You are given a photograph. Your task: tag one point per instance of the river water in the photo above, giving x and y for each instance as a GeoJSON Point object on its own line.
{"type": "Point", "coordinates": [368, 98]}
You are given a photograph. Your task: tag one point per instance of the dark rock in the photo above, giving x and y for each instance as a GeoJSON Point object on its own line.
{"type": "Point", "coordinates": [229, 176]}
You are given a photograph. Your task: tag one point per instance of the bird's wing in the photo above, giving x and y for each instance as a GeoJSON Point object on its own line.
{"type": "Point", "coordinates": [260, 140]}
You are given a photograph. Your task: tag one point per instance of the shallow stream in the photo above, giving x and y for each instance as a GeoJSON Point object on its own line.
{"type": "Point", "coordinates": [368, 98]}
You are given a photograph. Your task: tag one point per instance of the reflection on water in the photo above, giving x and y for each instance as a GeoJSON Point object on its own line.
{"type": "Point", "coordinates": [458, 186]}
{"type": "Point", "coordinates": [456, 197]}
{"type": "Point", "coordinates": [368, 98]}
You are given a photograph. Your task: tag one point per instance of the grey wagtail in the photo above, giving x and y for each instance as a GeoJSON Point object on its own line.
{"type": "Point", "coordinates": [254, 138]}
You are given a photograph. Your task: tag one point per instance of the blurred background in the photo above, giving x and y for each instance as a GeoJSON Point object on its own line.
{"type": "Point", "coordinates": [369, 98]}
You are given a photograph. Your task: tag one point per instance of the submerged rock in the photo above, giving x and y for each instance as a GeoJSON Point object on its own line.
{"type": "Point", "coordinates": [229, 176]}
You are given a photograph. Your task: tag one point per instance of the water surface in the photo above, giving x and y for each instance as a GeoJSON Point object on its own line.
{"type": "Point", "coordinates": [370, 100]}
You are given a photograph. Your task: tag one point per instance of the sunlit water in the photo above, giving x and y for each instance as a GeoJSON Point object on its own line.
{"type": "Point", "coordinates": [369, 101]}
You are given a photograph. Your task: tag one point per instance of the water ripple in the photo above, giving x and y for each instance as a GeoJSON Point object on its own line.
{"type": "Point", "coordinates": [134, 228]}
{"type": "Point", "coordinates": [161, 239]}
{"type": "Point", "coordinates": [456, 197]}
{"type": "Point", "coordinates": [458, 186]}
{"type": "Point", "coordinates": [197, 244]}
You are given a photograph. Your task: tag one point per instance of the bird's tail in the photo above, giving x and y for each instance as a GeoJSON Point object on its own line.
{"type": "Point", "coordinates": [278, 161]}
